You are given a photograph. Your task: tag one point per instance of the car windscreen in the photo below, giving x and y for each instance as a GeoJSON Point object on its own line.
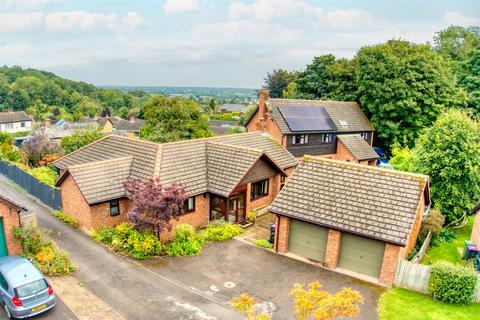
{"type": "Point", "coordinates": [31, 288]}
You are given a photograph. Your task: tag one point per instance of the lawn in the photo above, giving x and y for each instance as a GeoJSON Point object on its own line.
{"type": "Point", "coordinates": [403, 304]}
{"type": "Point", "coordinates": [449, 251]}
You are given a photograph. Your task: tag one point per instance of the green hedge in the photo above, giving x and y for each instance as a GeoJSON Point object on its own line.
{"type": "Point", "coordinates": [451, 283]}
{"type": "Point", "coordinates": [61, 215]}
{"type": "Point", "coordinates": [185, 242]}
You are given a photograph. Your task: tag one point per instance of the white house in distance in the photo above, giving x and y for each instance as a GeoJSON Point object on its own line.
{"type": "Point", "coordinates": [15, 121]}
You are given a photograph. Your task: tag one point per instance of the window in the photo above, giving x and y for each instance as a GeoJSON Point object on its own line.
{"type": "Point", "coordinates": [327, 138]}
{"type": "Point", "coordinates": [189, 205]}
{"type": "Point", "coordinates": [259, 189]}
{"type": "Point", "coordinates": [343, 123]}
{"type": "Point", "coordinates": [364, 135]}
{"type": "Point", "coordinates": [300, 139]}
{"type": "Point", "coordinates": [8, 125]}
{"type": "Point", "coordinates": [114, 208]}
{"type": "Point", "coordinates": [22, 124]}
{"type": "Point", "coordinates": [3, 282]}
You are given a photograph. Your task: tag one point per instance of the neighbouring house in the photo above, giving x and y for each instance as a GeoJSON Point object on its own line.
{"type": "Point", "coordinates": [233, 107]}
{"type": "Point", "coordinates": [221, 127]}
{"type": "Point", "coordinates": [64, 128]}
{"type": "Point", "coordinates": [9, 219]}
{"type": "Point", "coordinates": [15, 121]}
{"type": "Point", "coordinates": [314, 127]}
{"type": "Point", "coordinates": [476, 225]}
{"type": "Point", "coordinates": [225, 176]}
{"type": "Point", "coordinates": [130, 128]}
{"type": "Point", "coordinates": [356, 219]}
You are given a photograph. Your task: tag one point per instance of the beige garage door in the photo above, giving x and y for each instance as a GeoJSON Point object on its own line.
{"type": "Point", "coordinates": [307, 240]}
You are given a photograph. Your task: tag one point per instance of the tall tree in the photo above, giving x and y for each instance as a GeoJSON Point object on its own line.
{"type": "Point", "coordinates": [154, 205]}
{"type": "Point", "coordinates": [449, 153]}
{"type": "Point", "coordinates": [277, 81]}
{"type": "Point", "coordinates": [38, 147]}
{"type": "Point", "coordinates": [171, 119]}
{"type": "Point", "coordinates": [327, 78]}
{"type": "Point", "coordinates": [456, 42]}
{"type": "Point", "coordinates": [403, 87]}
{"type": "Point", "coordinates": [106, 112]}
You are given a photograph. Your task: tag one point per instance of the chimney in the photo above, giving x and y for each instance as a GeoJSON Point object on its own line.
{"type": "Point", "coordinates": [263, 96]}
{"type": "Point", "coordinates": [131, 119]}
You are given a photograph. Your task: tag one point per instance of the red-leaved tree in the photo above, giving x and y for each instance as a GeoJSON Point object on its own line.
{"type": "Point", "coordinates": [154, 205]}
{"type": "Point", "coordinates": [39, 148]}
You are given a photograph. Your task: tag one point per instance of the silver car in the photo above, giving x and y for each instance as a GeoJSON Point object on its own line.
{"type": "Point", "coordinates": [24, 291]}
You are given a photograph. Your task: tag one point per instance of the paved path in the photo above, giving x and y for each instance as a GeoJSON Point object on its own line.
{"type": "Point", "coordinates": [131, 290]}
{"type": "Point", "coordinates": [59, 312]}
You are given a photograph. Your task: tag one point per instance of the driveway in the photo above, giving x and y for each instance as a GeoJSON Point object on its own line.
{"type": "Point", "coordinates": [130, 289]}
{"type": "Point", "coordinates": [265, 275]}
{"type": "Point", "coordinates": [59, 312]}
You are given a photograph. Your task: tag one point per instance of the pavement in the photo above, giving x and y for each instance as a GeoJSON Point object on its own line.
{"type": "Point", "coordinates": [133, 291]}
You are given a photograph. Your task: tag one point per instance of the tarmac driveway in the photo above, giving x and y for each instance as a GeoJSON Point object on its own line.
{"type": "Point", "coordinates": [261, 273]}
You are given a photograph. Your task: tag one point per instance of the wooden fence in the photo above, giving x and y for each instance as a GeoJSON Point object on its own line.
{"type": "Point", "coordinates": [421, 253]}
{"type": "Point", "coordinates": [52, 197]}
{"type": "Point", "coordinates": [415, 276]}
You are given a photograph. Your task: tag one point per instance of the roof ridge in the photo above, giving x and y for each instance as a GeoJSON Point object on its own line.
{"type": "Point", "coordinates": [206, 139]}
{"type": "Point", "coordinates": [75, 166]}
{"type": "Point", "coordinates": [81, 148]}
{"type": "Point", "coordinates": [235, 146]}
{"type": "Point", "coordinates": [367, 168]}
{"type": "Point", "coordinates": [158, 161]}
{"type": "Point", "coordinates": [311, 100]}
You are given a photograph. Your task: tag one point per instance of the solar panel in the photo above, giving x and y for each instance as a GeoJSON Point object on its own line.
{"type": "Point", "coordinates": [307, 118]}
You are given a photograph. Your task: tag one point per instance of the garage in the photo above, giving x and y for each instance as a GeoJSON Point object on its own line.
{"type": "Point", "coordinates": [360, 254]}
{"type": "Point", "coordinates": [3, 241]}
{"type": "Point", "coordinates": [307, 240]}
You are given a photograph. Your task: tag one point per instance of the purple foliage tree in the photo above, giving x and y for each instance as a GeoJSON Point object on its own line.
{"type": "Point", "coordinates": [154, 205]}
{"type": "Point", "coordinates": [38, 147]}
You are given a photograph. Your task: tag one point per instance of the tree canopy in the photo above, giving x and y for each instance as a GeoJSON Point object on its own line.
{"type": "Point", "coordinates": [403, 87]}
{"type": "Point", "coordinates": [172, 119]}
{"type": "Point", "coordinates": [80, 139]}
{"type": "Point", "coordinates": [277, 81]}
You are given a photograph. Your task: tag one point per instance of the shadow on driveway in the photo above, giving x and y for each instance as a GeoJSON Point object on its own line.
{"type": "Point", "coordinates": [261, 273]}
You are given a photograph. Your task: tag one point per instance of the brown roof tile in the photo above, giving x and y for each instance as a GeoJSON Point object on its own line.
{"type": "Point", "coordinates": [358, 146]}
{"type": "Point", "coordinates": [373, 202]}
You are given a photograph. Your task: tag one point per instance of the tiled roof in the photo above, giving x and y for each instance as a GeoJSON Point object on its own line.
{"type": "Point", "coordinates": [347, 116]}
{"type": "Point", "coordinates": [377, 203]}
{"type": "Point", "coordinates": [102, 180]}
{"type": "Point", "coordinates": [358, 146]}
{"type": "Point", "coordinates": [127, 125]}
{"type": "Point", "coordinates": [14, 116]}
{"type": "Point", "coordinates": [212, 164]}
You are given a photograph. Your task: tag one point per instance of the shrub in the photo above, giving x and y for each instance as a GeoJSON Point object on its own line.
{"type": "Point", "coordinates": [251, 216]}
{"type": "Point", "coordinates": [221, 231]}
{"type": "Point", "coordinates": [433, 222]}
{"type": "Point", "coordinates": [143, 245]}
{"type": "Point", "coordinates": [30, 239]}
{"type": "Point", "coordinates": [446, 235]}
{"type": "Point", "coordinates": [185, 242]}
{"type": "Point", "coordinates": [264, 243]}
{"type": "Point", "coordinates": [124, 238]}
{"type": "Point", "coordinates": [452, 283]}
{"type": "Point", "coordinates": [45, 175]}
{"type": "Point", "coordinates": [104, 235]}
{"type": "Point", "coordinates": [61, 215]}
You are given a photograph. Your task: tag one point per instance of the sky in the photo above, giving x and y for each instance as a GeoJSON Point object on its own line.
{"type": "Point", "coordinates": [214, 43]}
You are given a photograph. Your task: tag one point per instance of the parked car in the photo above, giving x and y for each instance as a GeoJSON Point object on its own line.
{"type": "Point", "coordinates": [24, 291]}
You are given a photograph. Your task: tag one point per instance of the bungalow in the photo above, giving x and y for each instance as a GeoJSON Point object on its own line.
{"type": "Point", "coordinates": [226, 177]}
{"type": "Point", "coordinates": [315, 127]}
{"type": "Point", "coordinates": [9, 219]}
{"type": "Point", "coordinates": [15, 121]}
{"type": "Point", "coordinates": [352, 218]}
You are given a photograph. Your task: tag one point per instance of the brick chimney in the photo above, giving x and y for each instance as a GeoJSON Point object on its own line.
{"type": "Point", "coordinates": [263, 96]}
{"type": "Point", "coordinates": [131, 119]}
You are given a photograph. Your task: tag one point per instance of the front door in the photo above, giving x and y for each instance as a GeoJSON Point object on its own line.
{"type": "Point", "coordinates": [236, 208]}
{"type": "Point", "coordinates": [3, 241]}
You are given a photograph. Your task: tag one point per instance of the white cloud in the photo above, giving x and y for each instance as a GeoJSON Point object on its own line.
{"type": "Point", "coordinates": [19, 21]}
{"type": "Point", "coordinates": [347, 19]}
{"type": "Point", "coordinates": [24, 5]}
{"type": "Point", "coordinates": [458, 19]}
{"type": "Point", "coordinates": [84, 20]}
{"type": "Point", "coordinates": [175, 6]}
{"type": "Point", "coordinates": [266, 9]}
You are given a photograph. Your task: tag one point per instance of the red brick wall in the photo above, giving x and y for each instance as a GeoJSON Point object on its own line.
{"type": "Point", "coordinates": [333, 248]}
{"type": "Point", "coordinates": [282, 228]}
{"type": "Point", "coordinates": [476, 230]}
{"type": "Point", "coordinates": [389, 265]}
{"type": "Point", "coordinates": [343, 154]}
{"type": "Point", "coordinates": [197, 218]}
{"type": "Point", "coordinates": [268, 125]}
{"type": "Point", "coordinates": [416, 227]}
{"type": "Point", "coordinates": [74, 204]}
{"type": "Point", "coordinates": [100, 214]}
{"type": "Point", "coordinates": [9, 215]}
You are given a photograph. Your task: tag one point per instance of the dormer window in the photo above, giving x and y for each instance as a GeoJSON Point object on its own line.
{"type": "Point", "coordinates": [343, 122]}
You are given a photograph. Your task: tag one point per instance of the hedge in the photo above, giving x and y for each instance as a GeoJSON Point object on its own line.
{"type": "Point", "coordinates": [452, 283]}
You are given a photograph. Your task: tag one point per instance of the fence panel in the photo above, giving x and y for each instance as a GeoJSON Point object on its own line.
{"type": "Point", "coordinates": [50, 196]}
{"type": "Point", "coordinates": [412, 276]}
{"type": "Point", "coordinates": [476, 295]}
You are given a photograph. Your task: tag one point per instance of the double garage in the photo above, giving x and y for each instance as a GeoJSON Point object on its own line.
{"type": "Point", "coordinates": [354, 253]}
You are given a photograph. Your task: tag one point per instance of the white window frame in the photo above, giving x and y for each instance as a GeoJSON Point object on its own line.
{"type": "Point", "coordinates": [364, 135]}
{"type": "Point", "coordinates": [8, 125]}
{"type": "Point", "coordinates": [327, 138]}
{"type": "Point", "coordinates": [303, 139]}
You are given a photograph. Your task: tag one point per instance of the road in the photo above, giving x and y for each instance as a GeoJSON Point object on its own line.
{"type": "Point", "coordinates": [135, 292]}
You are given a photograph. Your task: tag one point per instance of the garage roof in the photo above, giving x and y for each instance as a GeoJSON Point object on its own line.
{"type": "Point", "coordinates": [376, 203]}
